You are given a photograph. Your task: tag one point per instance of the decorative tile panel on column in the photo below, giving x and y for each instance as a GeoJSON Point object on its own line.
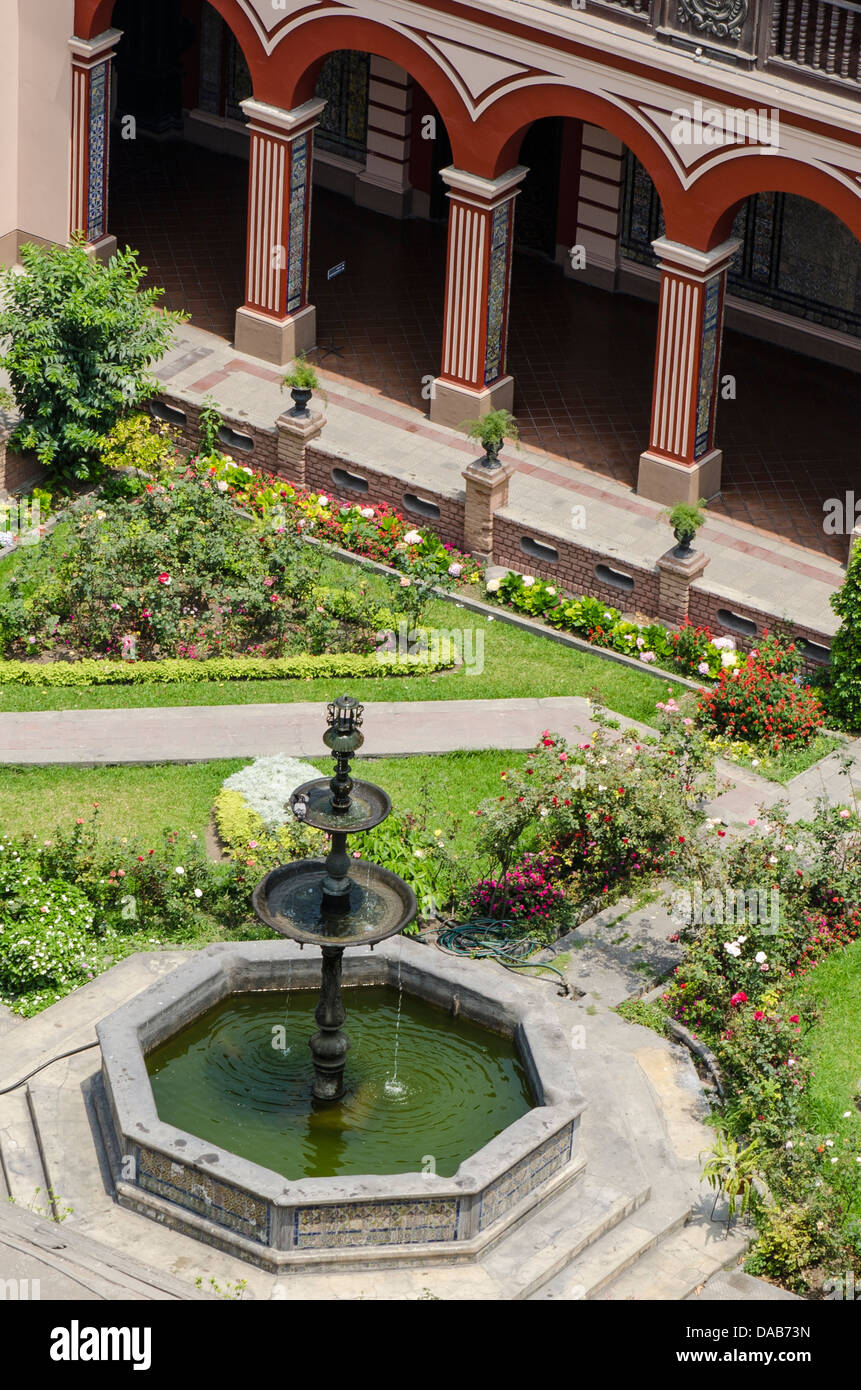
{"type": "Point", "coordinates": [681, 463]}
{"type": "Point", "coordinates": [92, 60]}
{"type": "Point", "coordinates": [473, 380]}
{"type": "Point", "coordinates": [276, 322]}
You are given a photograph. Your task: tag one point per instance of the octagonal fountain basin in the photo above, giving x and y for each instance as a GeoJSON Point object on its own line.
{"type": "Point", "coordinates": [211, 1129]}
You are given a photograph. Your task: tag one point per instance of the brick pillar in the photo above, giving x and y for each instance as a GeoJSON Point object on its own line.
{"type": "Point", "coordinates": [294, 436]}
{"type": "Point", "coordinates": [276, 321]}
{"type": "Point", "coordinates": [92, 60]}
{"type": "Point", "coordinates": [486, 493]}
{"type": "Point", "coordinates": [384, 184]}
{"type": "Point", "coordinates": [473, 380]}
{"type": "Point", "coordinates": [676, 575]}
{"type": "Point", "coordinates": [681, 463]}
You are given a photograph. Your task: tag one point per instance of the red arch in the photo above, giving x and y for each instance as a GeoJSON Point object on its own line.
{"type": "Point", "coordinates": [500, 131]}
{"type": "Point", "coordinates": [715, 198]}
{"type": "Point", "coordinates": [292, 71]}
{"type": "Point", "coordinates": [93, 17]}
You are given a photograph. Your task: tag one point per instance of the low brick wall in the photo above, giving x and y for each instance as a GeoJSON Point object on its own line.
{"type": "Point", "coordinates": [574, 571]}
{"type": "Point", "coordinates": [18, 471]}
{"type": "Point", "coordinates": [382, 487]}
{"type": "Point", "coordinates": [705, 607]}
{"type": "Point", "coordinates": [263, 453]}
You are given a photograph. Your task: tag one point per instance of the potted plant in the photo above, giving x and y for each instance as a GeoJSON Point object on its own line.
{"type": "Point", "coordinates": [491, 430]}
{"type": "Point", "coordinates": [685, 518]}
{"type": "Point", "coordinates": [303, 381]}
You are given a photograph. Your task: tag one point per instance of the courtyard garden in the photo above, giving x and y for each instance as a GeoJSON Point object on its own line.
{"type": "Point", "coordinates": [166, 578]}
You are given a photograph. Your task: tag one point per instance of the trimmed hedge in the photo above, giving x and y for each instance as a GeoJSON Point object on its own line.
{"type": "Point", "coordinates": [173, 670]}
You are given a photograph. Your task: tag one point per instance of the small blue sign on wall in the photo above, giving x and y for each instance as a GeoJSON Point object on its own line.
{"type": "Point", "coordinates": [336, 270]}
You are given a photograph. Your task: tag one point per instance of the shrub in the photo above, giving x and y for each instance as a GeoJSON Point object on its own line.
{"type": "Point", "coordinates": [81, 336]}
{"type": "Point", "coordinates": [756, 703]}
{"type": "Point", "coordinates": [137, 441]}
{"type": "Point", "coordinates": [306, 666]}
{"type": "Point", "coordinates": [524, 894]}
{"type": "Point", "coordinates": [47, 927]}
{"type": "Point", "coordinates": [844, 698]}
{"type": "Point", "coordinates": [780, 654]}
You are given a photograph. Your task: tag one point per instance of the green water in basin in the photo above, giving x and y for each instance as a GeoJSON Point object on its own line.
{"type": "Point", "coordinates": [240, 1077]}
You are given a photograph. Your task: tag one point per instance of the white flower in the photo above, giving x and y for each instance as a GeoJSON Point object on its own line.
{"type": "Point", "coordinates": [367, 513]}
{"type": "Point", "coordinates": [455, 569]}
{"type": "Point", "coordinates": [179, 869]}
{"type": "Point", "coordinates": [550, 590]}
{"type": "Point", "coordinates": [772, 859]}
{"type": "Point", "coordinates": [754, 762]}
{"type": "Point", "coordinates": [789, 1144]}
{"type": "Point", "coordinates": [413, 537]}
{"type": "Point", "coordinates": [732, 948]}
{"type": "Point", "coordinates": [602, 789]}
{"type": "Point", "coordinates": [760, 957]}
{"type": "Point", "coordinates": [222, 486]}
{"type": "Point", "coordinates": [703, 668]}
{"type": "Point", "coordinates": [492, 585]}
{"type": "Point", "coordinates": [322, 501]}
{"type": "Point", "coordinates": [724, 644]}
{"type": "Point", "coordinates": [528, 581]}
{"type": "Point", "coordinates": [741, 940]}
{"type": "Point", "coordinates": [249, 471]}
{"type": "Point", "coordinates": [101, 515]}
{"type": "Point", "coordinates": [829, 1143]}
{"type": "Point", "coordinates": [198, 892]}
{"type": "Point", "coordinates": [847, 1114]}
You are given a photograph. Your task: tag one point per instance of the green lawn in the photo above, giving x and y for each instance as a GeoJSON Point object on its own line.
{"type": "Point", "coordinates": [515, 664]}
{"type": "Point", "coordinates": [835, 1043]}
{"type": "Point", "coordinates": [139, 802]}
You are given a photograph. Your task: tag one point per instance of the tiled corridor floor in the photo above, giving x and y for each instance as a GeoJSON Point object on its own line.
{"type": "Point", "coordinates": [581, 358]}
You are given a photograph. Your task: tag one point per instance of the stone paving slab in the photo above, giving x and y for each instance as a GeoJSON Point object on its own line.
{"type": "Point", "coordinates": [71, 1266]}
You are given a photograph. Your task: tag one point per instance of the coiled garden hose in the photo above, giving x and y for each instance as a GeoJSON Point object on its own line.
{"type": "Point", "coordinates": [492, 937]}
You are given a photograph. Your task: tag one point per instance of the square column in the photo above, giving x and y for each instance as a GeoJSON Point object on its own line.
{"type": "Point", "coordinates": [473, 379]}
{"type": "Point", "coordinates": [92, 60]}
{"type": "Point", "coordinates": [276, 321]}
{"type": "Point", "coordinates": [384, 184]}
{"type": "Point", "coordinates": [681, 463]}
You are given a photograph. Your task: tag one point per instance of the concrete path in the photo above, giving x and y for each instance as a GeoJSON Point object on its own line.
{"type": "Point", "coordinates": [187, 734]}
{"type": "Point", "coordinates": [368, 430]}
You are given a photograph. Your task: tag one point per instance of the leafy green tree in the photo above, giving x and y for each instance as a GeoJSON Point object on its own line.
{"type": "Point", "coordinates": [80, 335]}
{"type": "Point", "coordinates": [844, 700]}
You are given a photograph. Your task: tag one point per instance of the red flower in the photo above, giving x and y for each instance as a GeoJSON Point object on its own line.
{"type": "Point", "coordinates": [164, 577]}
{"type": "Point", "coordinates": [739, 998]}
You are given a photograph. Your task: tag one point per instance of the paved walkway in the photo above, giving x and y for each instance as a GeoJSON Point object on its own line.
{"type": "Point", "coordinates": [366, 429]}
{"type": "Point", "coordinates": [188, 734]}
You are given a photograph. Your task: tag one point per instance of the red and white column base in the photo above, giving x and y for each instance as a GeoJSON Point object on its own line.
{"type": "Point", "coordinates": [92, 61]}
{"type": "Point", "coordinates": [276, 322]}
{"type": "Point", "coordinates": [681, 463]}
{"type": "Point", "coordinates": [473, 380]}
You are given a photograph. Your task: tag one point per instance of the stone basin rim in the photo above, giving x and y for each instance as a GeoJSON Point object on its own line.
{"type": "Point", "coordinates": [218, 971]}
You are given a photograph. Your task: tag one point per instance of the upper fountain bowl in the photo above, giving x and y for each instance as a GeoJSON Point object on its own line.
{"type": "Point", "coordinates": [369, 806]}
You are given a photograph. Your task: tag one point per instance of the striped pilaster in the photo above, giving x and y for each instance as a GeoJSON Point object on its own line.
{"type": "Point", "coordinates": [92, 60]}
{"type": "Point", "coordinates": [279, 207]}
{"type": "Point", "coordinates": [478, 275]}
{"type": "Point", "coordinates": [687, 357]}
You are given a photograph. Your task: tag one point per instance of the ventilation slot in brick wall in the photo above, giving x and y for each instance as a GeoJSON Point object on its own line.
{"type": "Point", "coordinates": [537, 551]}
{"type": "Point", "coordinates": [234, 440]}
{"type": "Point", "coordinates": [615, 578]}
{"type": "Point", "coordinates": [815, 652]}
{"type": "Point", "coordinates": [168, 413]}
{"type": "Point", "coordinates": [419, 506]}
{"type": "Point", "coordinates": [736, 623]}
{"type": "Point", "coordinates": [350, 482]}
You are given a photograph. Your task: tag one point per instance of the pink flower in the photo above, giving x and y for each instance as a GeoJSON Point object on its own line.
{"type": "Point", "coordinates": [739, 998]}
{"type": "Point", "coordinates": [164, 577]}
{"type": "Point", "coordinates": [844, 814]}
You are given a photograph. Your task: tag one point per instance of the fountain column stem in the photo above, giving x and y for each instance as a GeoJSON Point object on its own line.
{"type": "Point", "coordinates": [329, 1046]}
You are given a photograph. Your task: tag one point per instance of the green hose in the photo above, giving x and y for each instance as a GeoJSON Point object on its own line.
{"type": "Point", "coordinates": [492, 937]}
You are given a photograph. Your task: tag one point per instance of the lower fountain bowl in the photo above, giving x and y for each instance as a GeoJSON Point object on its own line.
{"type": "Point", "coordinates": [290, 901]}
